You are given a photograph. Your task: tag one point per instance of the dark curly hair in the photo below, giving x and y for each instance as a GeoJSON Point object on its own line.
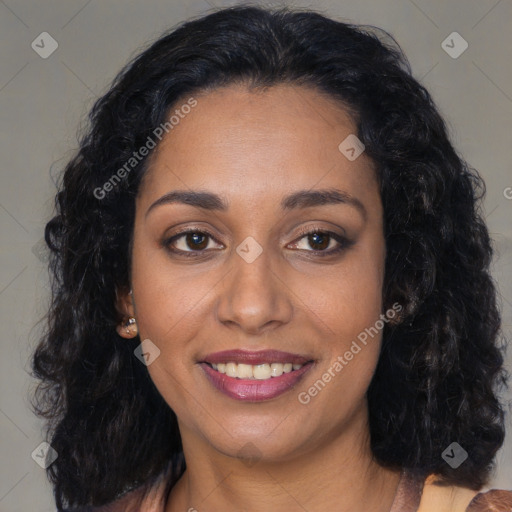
{"type": "Point", "coordinates": [441, 365]}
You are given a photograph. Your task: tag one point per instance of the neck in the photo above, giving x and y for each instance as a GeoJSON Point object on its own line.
{"type": "Point", "coordinates": [337, 474]}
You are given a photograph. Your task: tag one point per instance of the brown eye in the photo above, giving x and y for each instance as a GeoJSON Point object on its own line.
{"type": "Point", "coordinates": [322, 242]}
{"type": "Point", "coordinates": [319, 241]}
{"type": "Point", "coordinates": [190, 242]}
{"type": "Point", "coordinates": [196, 241]}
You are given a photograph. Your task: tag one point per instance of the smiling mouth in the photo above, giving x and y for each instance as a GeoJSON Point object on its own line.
{"type": "Point", "coordinates": [263, 371]}
{"type": "Point", "coordinates": [254, 376]}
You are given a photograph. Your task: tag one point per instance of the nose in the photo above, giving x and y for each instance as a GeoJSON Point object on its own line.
{"type": "Point", "coordinates": [254, 297]}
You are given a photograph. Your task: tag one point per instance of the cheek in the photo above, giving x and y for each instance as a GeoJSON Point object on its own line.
{"type": "Point", "coordinates": [169, 307]}
{"type": "Point", "coordinates": [346, 310]}
{"type": "Point", "coordinates": [166, 296]}
{"type": "Point", "coordinates": [172, 306]}
{"type": "Point", "coordinates": [347, 299]}
{"type": "Point", "coordinates": [170, 312]}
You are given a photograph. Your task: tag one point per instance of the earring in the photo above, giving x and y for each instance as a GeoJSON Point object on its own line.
{"type": "Point", "coordinates": [130, 327]}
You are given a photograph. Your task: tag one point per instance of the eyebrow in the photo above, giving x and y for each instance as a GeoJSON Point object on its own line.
{"type": "Point", "coordinates": [301, 199]}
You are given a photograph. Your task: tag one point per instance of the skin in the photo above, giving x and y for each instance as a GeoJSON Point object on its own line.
{"type": "Point", "coordinates": [253, 148]}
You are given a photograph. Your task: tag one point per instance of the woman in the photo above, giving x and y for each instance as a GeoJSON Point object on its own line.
{"type": "Point", "coordinates": [272, 285]}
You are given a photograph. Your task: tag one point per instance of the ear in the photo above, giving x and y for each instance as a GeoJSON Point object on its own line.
{"type": "Point", "coordinates": [126, 309]}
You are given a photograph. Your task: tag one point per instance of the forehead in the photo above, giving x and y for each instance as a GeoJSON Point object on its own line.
{"type": "Point", "coordinates": [257, 144]}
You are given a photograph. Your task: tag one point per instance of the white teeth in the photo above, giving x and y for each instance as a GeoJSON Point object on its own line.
{"type": "Point", "coordinates": [276, 369]}
{"type": "Point", "coordinates": [263, 371]}
{"type": "Point", "coordinates": [245, 371]}
{"type": "Point", "coordinates": [232, 370]}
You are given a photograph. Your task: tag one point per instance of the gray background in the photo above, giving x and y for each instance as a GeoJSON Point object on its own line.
{"type": "Point", "coordinates": [43, 101]}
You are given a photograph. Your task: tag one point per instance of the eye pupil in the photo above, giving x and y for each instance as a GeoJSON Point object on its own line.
{"type": "Point", "coordinates": [196, 241]}
{"type": "Point", "coordinates": [319, 239]}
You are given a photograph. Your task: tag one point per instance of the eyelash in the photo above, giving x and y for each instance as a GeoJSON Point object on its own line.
{"type": "Point", "coordinates": [343, 242]}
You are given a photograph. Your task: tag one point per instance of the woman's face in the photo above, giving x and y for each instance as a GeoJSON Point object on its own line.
{"type": "Point", "coordinates": [249, 279]}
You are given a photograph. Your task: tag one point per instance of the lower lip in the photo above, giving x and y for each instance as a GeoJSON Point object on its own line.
{"type": "Point", "coordinates": [254, 390]}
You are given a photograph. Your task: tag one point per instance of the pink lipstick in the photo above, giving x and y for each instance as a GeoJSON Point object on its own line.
{"type": "Point", "coordinates": [254, 376]}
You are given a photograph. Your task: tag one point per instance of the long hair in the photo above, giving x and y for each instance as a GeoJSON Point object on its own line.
{"type": "Point", "coordinates": [440, 367]}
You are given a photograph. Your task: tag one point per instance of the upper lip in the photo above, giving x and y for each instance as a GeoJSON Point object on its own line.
{"type": "Point", "coordinates": [251, 357]}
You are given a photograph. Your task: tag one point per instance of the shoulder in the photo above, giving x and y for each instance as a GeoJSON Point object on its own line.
{"type": "Point", "coordinates": [494, 500]}
{"type": "Point", "coordinates": [438, 498]}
